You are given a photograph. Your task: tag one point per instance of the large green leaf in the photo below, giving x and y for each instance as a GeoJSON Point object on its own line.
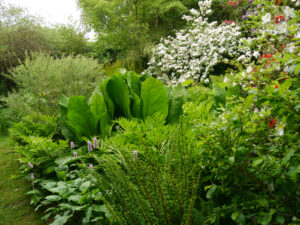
{"type": "Point", "coordinates": [136, 105]}
{"type": "Point", "coordinates": [99, 109]}
{"type": "Point", "coordinates": [108, 101]}
{"type": "Point", "coordinates": [133, 82]}
{"type": "Point", "coordinates": [154, 98]}
{"type": "Point", "coordinates": [220, 95]}
{"type": "Point", "coordinates": [176, 99]}
{"type": "Point", "coordinates": [118, 92]}
{"type": "Point", "coordinates": [66, 128]}
{"type": "Point", "coordinates": [80, 117]}
{"type": "Point", "coordinates": [60, 220]}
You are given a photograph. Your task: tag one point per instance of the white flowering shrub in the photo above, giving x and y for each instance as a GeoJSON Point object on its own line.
{"type": "Point", "coordinates": [194, 52]}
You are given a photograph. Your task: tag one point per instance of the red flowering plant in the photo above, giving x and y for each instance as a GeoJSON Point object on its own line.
{"type": "Point", "coordinates": [272, 122]}
{"type": "Point", "coordinates": [279, 18]}
{"type": "Point", "coordinates": [259, 129]}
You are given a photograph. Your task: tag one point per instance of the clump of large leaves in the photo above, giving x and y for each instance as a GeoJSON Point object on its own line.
{"type": "Point", "coordinates": [123, 95]}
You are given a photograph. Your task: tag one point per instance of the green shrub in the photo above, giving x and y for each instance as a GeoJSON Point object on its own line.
{"type": "Point", "coordinates": [42, 79]}
{"type": "Point", "coordinates": [249, 146]}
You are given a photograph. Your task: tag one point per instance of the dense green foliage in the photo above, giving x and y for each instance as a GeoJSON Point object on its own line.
{"type": "Point", "coordinates": [127, 30]}
{"type": "Point", "coordinates": [129, 149]}
{"type": "Point", "coordinates": [41, 79]}
{"type": "Point", "coordinates": [22, 33]}
{"type": "Point", "coordinates": [123, 95]}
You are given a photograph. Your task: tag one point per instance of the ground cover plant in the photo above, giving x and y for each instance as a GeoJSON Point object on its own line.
{"type": "Point", "coordinates": [213, 140]}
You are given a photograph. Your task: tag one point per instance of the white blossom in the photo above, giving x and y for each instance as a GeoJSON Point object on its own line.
{"type": "Point", "coordinates": [266, 18]}
{"type": "Point", "coordinates": [194, 52]}
{"type": "Point", "coordinates": [289, 12]}
{"type": "Point", "coordinates": [256, 54]}
{"type": "Point", "coordinates": [249, 69]}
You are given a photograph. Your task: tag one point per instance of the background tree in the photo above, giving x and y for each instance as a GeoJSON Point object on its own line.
{"type": "Point", "coordinates": [127, 29]}
{"type": "Point", "coordinates": [22, 34]}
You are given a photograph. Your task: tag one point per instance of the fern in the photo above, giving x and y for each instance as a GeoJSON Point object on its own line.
{"type": "Point", "coordinates": [159, 186]}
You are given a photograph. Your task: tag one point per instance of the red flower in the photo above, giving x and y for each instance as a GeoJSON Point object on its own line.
{"type": "Point", "coordinates": [272, 122]}
{"type": "Point", "coordinates": [276, 86]}
{"type": "Point", "coordinates": [279, 19]}
{"type": "Point", "coordinates": [232, 21]}
{"type": "Point", "coordinates": [266, 56]}
{"type": "Point", "coordinates": [231, 3]}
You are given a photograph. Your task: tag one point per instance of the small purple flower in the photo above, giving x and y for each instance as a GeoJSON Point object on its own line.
{"type": "Point", "coordinates": [91, 166]}
{"type": "Point", "coordinates": [247, 13]}
{"type": "Point", "coordinates": [90, 146]}
{"type": "Point", "coordinates": [75, 154]}
{"type": "Point", "coordinates": [30, 165]}
{"type": "Point", "coordinates": [95, 143]}
{"type": "Point", "coordinates": [244, 17]}
{"type": "Point", "coordinates": [250, 1]}
{"type": "Point", "coordinates": [259, 5]}
{"type": "Point", "coordinates": [135, 153]}
{"type": "Point", "coordinates": [32, 176]}
{"type": "Point", "coordinates": [72, 145]}
{"type": "Point", "coordinates": [256, 12]}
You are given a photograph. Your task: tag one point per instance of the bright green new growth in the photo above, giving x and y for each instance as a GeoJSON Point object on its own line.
{"type": "Point", "coordinates": [123, 95]}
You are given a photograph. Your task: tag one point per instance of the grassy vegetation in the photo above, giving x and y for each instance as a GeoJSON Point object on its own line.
{"type": "Point", "coordinates": [14, 204]}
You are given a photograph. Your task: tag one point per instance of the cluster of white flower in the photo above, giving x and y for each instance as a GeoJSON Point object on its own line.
{"type": "Point", "coordinates": [279, 26]}
{"type": "Point", "coordinates": [194, 52]}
